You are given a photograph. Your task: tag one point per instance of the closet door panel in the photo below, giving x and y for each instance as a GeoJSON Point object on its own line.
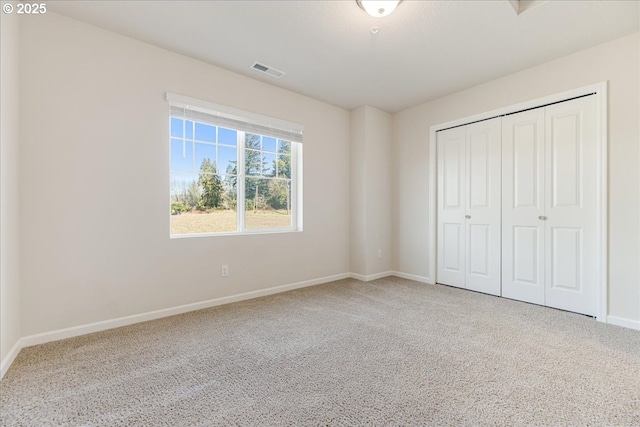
{"type": "Point", "coordinates": [451, 207]}
{"type": "Point", "coordinates": [483, 166]}
{"type": "Point", "coordinates": [571, 259]}
{"type": "Point", "coordinates": [523, 206]}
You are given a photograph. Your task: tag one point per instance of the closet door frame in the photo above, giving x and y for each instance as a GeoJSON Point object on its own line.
{"type": "Point", "coordinates": [599, 91]}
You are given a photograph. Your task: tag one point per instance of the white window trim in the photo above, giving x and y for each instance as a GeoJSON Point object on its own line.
{"type": "Point", "coordinates": [232, 113]}
{"type": "Point", "coordinates": [296, 165]}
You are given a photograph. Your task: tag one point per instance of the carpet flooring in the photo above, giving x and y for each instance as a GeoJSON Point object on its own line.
{"type": "Point", "coordinates": [392, 352]}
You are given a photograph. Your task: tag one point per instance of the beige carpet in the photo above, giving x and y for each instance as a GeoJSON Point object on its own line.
{"type": "Point", "coordinates": [387, 353]}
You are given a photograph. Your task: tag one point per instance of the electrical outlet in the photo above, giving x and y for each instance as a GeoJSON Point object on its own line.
{"type": "Point", "coordinates": [225, 270]}
{"type": "Point", "coordinates": [379, 253]}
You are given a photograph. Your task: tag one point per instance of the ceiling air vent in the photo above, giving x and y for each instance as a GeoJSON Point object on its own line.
{"type": "Point", "coordinates": [267, 70]}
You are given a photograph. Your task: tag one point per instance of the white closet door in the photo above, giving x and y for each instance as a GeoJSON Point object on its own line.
{"type": "Point", "coordinates": [451, 209]}
{"type": "Point", "coordinates": [482, 194]}
{"type": "Point", "coordinates": [523, 206]}
{"type": "Point", "coordinates": [571, 259]}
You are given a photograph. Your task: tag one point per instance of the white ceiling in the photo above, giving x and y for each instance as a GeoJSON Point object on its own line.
{"type": "Point", "coordinates": [424, 50]}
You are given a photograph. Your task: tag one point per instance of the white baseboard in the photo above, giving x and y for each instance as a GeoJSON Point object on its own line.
{"type": "Point", "coordinates": [10, 357]}
{"type": "Point", "coordinates": [104, 325]}
{"type": "Point", "coordinates": [625, 323]}
{"type": "Point", "coordinates": [157, 314]}
{"type": "Point", "coordinates": [423, 279]}
{"type": "Point", "coordinates": [370, 277]}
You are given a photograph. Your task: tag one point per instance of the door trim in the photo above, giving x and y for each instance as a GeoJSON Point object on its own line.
{"type": "Point", "coordinates": [601, 96]}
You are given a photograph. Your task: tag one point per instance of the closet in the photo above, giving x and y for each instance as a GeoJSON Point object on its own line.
{"type": "Point", "coordinates": [517, 206]}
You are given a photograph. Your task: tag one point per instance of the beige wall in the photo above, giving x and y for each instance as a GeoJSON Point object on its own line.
{"type": "Point", "coordinates": [95, 182]}
{"type": "Point", "coordinates": [370, 191]}
{"type": "Point", "coordinates": [379, 208]}
{"type": "Point", "coordinates": [9, 186]}
{"type": "Point", "coordinates": [358, 171]}
{"type": "Point", "coordinates": [616, 61]}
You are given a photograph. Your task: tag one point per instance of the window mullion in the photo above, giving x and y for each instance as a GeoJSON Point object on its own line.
{"type": "Point", "coordinates": [240, 179]}
{"type": "Point", "coordinates": [293, 186]}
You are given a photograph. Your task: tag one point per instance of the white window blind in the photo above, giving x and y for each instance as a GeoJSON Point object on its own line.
{"type": "Point", "coordinates": [203, 111]}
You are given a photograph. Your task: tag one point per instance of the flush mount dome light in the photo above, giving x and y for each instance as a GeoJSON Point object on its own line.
{"type": "Point", "coordinates": [378, 9]}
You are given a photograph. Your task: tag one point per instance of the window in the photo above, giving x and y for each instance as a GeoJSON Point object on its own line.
{"type": "Point", "coordinates": [210, 193]}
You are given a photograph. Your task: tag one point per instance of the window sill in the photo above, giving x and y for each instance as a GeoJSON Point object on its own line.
{"type": "Point", "coordinates": [235, 233]}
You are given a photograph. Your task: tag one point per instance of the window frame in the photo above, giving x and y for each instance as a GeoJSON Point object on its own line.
{"type": "Point", "coordinates": [295, 179]}
{"type": "Point", "coordinates": [296, 158]}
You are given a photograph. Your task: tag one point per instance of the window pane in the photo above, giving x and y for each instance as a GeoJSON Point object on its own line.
{"type": "Point", "coordinates": [205, 132]}
{"type": "Point", "coordinates": [205, 151]}
{"type": "Point", "coordinates": [205, 176]}
{"type": "Point", "coordinates": [269, 164]}
{"type": "Point", "coordinates": [227, 160]}
{"type": "Point", "coordinates": [176, 127]}
{"type": "Point", "coordinates": [227, 136]}
{"type": "Point", "coordinates": [230, 193]}
{"type": "Point", "coordinates": [203, 203]}
{"type": "Point", "coordinates": [252, 141]}
{"type": "Point", "coordinates": [268, 144]}
{"type": "Point", "coordinates": [267, 203]}
{"type": "Point", "coordinates": [181, 155]}
{"type": "Point", "coordinates": [284, 146]}
{"type": "Point", "coordinates": [284, 166]}
{"type": "Point", "coordinates": [210, 191]}
{"type": "Point", "coordinates": [253, 162]}
{"type": "Point", "coordinates": [184, 192]}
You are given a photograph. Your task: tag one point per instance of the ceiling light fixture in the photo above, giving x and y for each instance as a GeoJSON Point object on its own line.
{"type": "Point", "coordinates": [378, 9]}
